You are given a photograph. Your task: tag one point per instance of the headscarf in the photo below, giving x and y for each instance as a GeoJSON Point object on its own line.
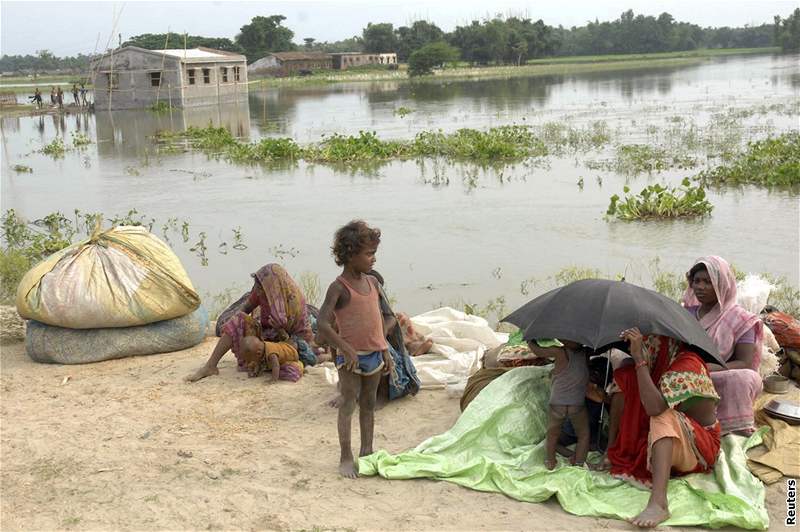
{"type": "Point", "coordinates": [283, 307]}
{"type": "Point", "coordinates": [727, 321]}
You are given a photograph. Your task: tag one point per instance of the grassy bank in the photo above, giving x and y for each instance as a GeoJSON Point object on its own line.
{"type": "Point", "coordinates": [536, 67]}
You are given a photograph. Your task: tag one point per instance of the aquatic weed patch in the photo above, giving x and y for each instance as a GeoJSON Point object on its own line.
{"type": "Point", "coordinates": [365, 146]}
{"type": "Point", "coordinates": [498, 143]}
{"type": "Point", "coordinates": [55, 148]}
{"type": "Point", "coordinates": [635, 159]}
{"type": "Point", "coordinates": [660, 202]}
{"type": "Point", "coordinates": [22, 169]}
{"type": "Point", "coordinates": [774, 161]}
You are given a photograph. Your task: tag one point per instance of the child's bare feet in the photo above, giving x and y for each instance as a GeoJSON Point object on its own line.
{"type": "Point", "coordinates": [550, 463]}
{"type": "Point", "coordinates": [202, 373]}
{"type": "Point", "coordinates": [651, 516]}
{"type": "Point", "coordinates": [348, 467]}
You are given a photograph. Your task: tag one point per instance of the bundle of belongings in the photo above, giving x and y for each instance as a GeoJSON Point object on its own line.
{"type": "Point", "coordinates": [122, 292]}
{"type": "Point", "coordinates": [786, 330]}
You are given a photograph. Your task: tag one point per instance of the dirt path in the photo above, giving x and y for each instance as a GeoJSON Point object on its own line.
{"type": "Point", "coordinates": [127, 445]}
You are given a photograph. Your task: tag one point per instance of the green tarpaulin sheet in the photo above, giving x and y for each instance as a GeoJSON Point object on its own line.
{"type": "Point", "coordinates": [498, 445]}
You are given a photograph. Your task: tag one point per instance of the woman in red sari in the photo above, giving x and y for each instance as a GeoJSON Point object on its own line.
{"type": "Point", "coordinates": [663, 419]}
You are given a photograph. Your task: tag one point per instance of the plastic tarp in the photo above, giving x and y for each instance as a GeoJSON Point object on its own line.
{"type": "Point", "coordinates": [497, 446]}
{"type": "Point", "coordinates": [121, 277]}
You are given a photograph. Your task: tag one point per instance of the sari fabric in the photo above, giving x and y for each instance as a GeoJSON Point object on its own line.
{"type": "Point", "coordinates": [281, 308]}
{"type": "Point", "coordinates": [680, 375]}
{"type": "Point", "coordinates": [726, 323]}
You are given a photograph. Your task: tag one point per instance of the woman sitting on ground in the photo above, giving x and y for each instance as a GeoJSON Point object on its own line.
{"type": "Point", "coordinates": [738, 334]}
{"type": "Point", "coordinates": [271, 342]}
{"type": "Point", "coordinates": [662, 419]}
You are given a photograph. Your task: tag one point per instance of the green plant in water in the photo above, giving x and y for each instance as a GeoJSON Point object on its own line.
{"type": "Point", "coordinates": [55, 148]}
{"type": "Point", "coordinates": [160, 107]}
{"type": "Point", "coordinates": [22, 169]}
{"type": "Point", "coordinates": [774, 161]}
{"type": "Point", "coordinates": [310, 285]}
{"type": "Point", "coordinates": [571, 274]}
{"type": "Point", "coordinates": [80, 139]}
{"type": "Point", "coordinates": [402, 112]}
{"type": "Point", "coordinates": [658, 201]}
{"type": "Point", "coordinates": [364, 147]}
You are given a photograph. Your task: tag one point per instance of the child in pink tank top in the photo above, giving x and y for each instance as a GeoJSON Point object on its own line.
{"type": "Point", "coordinates": [363, 355]}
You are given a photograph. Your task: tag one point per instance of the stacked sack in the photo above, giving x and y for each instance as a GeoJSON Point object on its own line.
{"type": "Point", "coordinates": [120, 293]}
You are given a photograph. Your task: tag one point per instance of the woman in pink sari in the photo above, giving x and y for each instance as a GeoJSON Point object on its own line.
{"type": "Point", "coordinates": [711, 298]}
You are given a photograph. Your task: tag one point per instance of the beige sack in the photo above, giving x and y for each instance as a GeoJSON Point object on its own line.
{"type": "Point", "coordinates": [121, 277]}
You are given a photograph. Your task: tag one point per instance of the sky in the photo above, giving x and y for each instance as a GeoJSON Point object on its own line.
{"type": "Point", "coordinates": [69, 28]}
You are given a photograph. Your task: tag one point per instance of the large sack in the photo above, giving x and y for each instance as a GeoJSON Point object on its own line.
{"type": "Point", "coordinates": [45, 343]}
{"type": "Point", "coordinates": [121, 277]}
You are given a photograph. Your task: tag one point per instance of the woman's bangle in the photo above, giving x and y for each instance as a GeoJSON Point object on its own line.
{"type": "Point", "coordinates": [640, 364]}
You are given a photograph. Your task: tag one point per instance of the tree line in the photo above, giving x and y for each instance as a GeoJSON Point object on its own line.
{"type": "Point", "coordinates": [498, 40]}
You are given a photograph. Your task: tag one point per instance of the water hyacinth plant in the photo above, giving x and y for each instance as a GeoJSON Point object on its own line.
{"type": "Point", "coordinates": [658, 201]}
{"type": "Point", "coordinates": [774, 161]}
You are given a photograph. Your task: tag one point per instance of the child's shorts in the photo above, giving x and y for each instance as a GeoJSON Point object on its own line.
{"type": "Point", "coordinates": [368, 364]}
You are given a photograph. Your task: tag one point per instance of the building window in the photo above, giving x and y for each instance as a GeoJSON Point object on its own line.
{"type": "Point", "coordinates": [155, 79]}
{"type": "Point", "coordinates": [112, 81]}
{"type": "Point", "coordinates": [236, 73]}
{"type": "Point", "coordinates": [224, 72]}
{"type": "Point", "coordinates": [206, 75]}
{"type": "Point", "coordinates": [190, 73]}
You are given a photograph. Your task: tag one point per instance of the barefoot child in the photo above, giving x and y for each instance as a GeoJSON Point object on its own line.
{"type": "Point", "coordinates": [567, 396]}
{"type": "Point", "coordinates": [360, 342]}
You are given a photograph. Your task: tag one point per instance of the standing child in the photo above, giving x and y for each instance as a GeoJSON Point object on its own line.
{"type": "Point", "coordinates": [567, 396]}
{"type": "Point", "coordinates": [362, 350]}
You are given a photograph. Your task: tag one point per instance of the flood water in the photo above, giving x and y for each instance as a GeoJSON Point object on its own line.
{"type": "Point", "coordinates": [486, 233]}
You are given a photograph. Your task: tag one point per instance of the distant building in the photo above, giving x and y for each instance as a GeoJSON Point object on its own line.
{"type": "Point", "coordinates": [289, 63]}
{"type": "Point", "coordinates": [345, 60]}
{"type": "Point", "coordinates": [132, 77]}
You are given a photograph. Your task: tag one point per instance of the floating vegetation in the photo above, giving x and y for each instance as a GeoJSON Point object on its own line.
{"type": "Point", "coordinates": [402, 112]}
{"type": "Point", "coordinates": [160, 107]}
{"type": "Point", "coordinates": [266, 150]}
{"type": "Point", "coordinates": [55, 148]}
{"type": "Point", "coordinates": [498, 143]}
{"type": "Point", "coordinates": [310, 285]}
{"type": "Point", "coordinates": [635, 159]}
{"type": "Point", "coordinates": [505, 143]}
{"type": "Point", "coordinates": [774, 161]}
{"type": "Point", "coordinates": [657, 201]}
{"type": "Point", "coordinates": [22, 169]}
{"type": "Point", "coordinates": [559, 136]}
{"type": "Point", "coordinates": [80, 139]}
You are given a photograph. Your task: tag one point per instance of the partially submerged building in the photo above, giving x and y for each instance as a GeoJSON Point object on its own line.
{"type": "Point", "coordinates": [133, 77]}
{"type": "Point", "coordinates": [345, 60]}
{"type": "Point", "coordinates": [290, 63]}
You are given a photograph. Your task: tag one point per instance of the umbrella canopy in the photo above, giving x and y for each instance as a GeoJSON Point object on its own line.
{"type": "Point", "coordinates": [593, 312]}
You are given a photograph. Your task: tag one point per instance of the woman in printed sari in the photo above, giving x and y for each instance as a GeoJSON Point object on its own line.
{"type": "Point", "coordinates": [738, 334]}
{"type": "Point", "coordinates": [271, 341]}
{"type": "Point", "coordinates": [662, 419]}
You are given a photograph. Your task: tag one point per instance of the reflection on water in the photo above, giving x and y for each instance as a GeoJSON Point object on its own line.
{"type": "Point", "coordinates": [443, 224]}
{"type": "Point", "coordinates": [129, 133]}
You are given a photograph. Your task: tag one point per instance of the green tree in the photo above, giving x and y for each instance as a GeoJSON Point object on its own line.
{"type": "Point", "coordinates": [787, 32]}
{"type": "Point", "coordinates": [414, 37]}
{"type": "Point", "coordinates": [159, 41]}
{"type": "Point", "coordinates": [424, 60]}
{"type": "Point", "coordinates": [309, 43]}
{"type": "Point", "coordinates": [379, 38]}
{"type": "Point", "coordinates": [264, 35]}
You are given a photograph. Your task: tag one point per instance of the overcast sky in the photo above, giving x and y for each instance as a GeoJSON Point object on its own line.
{"type": "Point", "coordinates": [69, 28]}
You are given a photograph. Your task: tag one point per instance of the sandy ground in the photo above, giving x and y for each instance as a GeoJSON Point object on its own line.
{"type": "Point", "coordinates": [126, 444]}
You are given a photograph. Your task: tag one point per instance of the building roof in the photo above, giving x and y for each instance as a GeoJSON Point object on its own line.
{"type": "Point", "coordinates": [189, 55]}
{"type": "Point", "coordinates": [300, 56]}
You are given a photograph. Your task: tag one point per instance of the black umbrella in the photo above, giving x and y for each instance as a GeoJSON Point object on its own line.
{"type": "Point", "coordinates": [593, 312]}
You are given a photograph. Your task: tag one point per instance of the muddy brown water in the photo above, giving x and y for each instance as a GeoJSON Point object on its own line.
{"type": "Point", "coordinates": [488, 233]}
